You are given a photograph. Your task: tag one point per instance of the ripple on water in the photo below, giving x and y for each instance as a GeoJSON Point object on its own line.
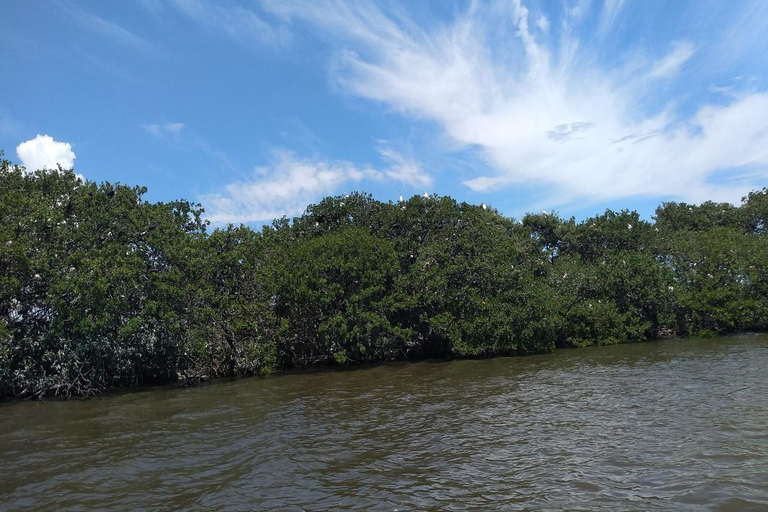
{"type": "Point", "coordinates": [657, 426]}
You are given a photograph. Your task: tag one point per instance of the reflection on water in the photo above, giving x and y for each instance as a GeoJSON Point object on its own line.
{"type": "Point", "coordinates": [675, 425]}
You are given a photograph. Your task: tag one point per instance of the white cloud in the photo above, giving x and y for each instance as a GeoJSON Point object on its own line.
{"type": "Point", "coordinates": [43, 152]}
{"type": "Point", "coordinates": [608, 15]}
{"type": "Point", "coordinates": [543, 24]}
{"type": "Point", "coordinates": [404, 170]}
{"type": "Point", "coordinates": [284, 188]}
{"type": "Point", "coordinates": [291, 183]}
{"type": "Point", "coordinates": [670, 65]}
{"type": "Point", "coordinates": [542, 114]}
{"type": "Point", "coordinates": [162, 130]}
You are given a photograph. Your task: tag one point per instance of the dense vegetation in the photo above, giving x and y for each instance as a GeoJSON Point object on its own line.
{"type": "Point", "coordinates": [100, 288]}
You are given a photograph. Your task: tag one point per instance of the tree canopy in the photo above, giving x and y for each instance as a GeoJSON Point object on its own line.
{"type": "Point", "coordinates": [100, 288]}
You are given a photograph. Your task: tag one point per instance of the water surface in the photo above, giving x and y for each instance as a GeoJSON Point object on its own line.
{"type": "Point", "coordinates": [675, 425]}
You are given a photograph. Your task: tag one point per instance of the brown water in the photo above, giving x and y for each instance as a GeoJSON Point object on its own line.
{"type": "Point", "coordinates": [676, 425]}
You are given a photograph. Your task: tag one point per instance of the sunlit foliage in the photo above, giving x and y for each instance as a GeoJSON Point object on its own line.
{"type": "Point", "coordinates": [100, 288]}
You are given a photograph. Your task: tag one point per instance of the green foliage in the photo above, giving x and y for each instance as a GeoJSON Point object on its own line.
{"type": "Point", "coordinates": [231, 327]}
{"type": "Point", "coordinates": [754, 212]}
{"type": "Point", "coordinates": [720, 280]}
{"type": "Point", "coordinates": [100, 288]}
{"type": "Point", "coordinates": [332, 294]}
{"type": "Point", "coordinates": [92, 283]}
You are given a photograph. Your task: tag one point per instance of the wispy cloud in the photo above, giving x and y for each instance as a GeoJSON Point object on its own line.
{"type": "Point", "coordinates": [285, 187]}
{"type": "Point", "coordinates": [543, 112]}
{"type": "Point", "coordinates": [406, 171]}
{"type": "Point", "coordinates": [608, 15]}
{"type": "Point", "coordinates": [104, 27]}
{"type": "Point", "coordinates": [670, 65]}
{"type": "Point", "coordinates": [577, 10]}
{"type": "Point", "coordinates": [543, 23]}
{"type": "Point", "coordinates": [726, 90]}
{"type": "Point", "coordinates": [240, 24]}
{"type": "Point", "coordinates": [290, 183]}
{"type": "Point", "coordinates": [743, 41]}
{"type": "Point", "coordinates": [737, 87]}
{"type": "Point", "coordinates": [164, 130]}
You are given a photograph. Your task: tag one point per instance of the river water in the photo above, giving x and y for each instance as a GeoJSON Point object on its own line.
{"type": "Point", "coordinates": [674, 425]}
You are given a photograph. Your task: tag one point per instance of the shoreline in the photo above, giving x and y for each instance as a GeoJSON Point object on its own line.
{"type": "Point", "coordinates": [337, 368]}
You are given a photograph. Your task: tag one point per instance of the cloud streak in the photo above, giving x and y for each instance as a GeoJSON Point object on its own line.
{"type": "Point", "coordinates": [670, 65]}
{"type": "Point", "coordinates": [164, 130]}
{"type": "Point", "coordinates": [545, 112]}
{"type": "Point", "coordinates": [608, 16]}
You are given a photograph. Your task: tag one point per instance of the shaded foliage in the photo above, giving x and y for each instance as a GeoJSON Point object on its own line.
{"type": "Point", "coordinates": [100, 288]}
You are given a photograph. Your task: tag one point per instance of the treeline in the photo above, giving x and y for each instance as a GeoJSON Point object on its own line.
{"type": "Point", "coordinates": [102, 289]}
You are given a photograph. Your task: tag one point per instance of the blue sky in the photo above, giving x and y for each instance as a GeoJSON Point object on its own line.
{"type": "Point", "coordinates": [258, 108]}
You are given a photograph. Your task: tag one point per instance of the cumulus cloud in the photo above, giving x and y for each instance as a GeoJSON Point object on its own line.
{"type": "Point", "coordinates": [545, 112]}
{"type": "Point", "coordinates": [290, 183]}
{"type": "Point", "coordinates": [43, 152]}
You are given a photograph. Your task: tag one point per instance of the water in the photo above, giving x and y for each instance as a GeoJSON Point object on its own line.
{"type": "Point", "coordinates": [676, 425]}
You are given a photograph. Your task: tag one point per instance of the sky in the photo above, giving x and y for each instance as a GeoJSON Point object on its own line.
{"type": "Point", "coordinates": [257, 108]}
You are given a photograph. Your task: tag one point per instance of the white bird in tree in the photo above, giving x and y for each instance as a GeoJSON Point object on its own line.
{"type": "Point", "coordinates": [484, 207]}
{"type": "Point", "coordinates": [426, 196]}
{"type": "Point", "coordinates": [401, 197]}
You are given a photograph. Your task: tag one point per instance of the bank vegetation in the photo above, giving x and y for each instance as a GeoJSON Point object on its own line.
{"type": "Point", "coordinates": [100, 288]}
